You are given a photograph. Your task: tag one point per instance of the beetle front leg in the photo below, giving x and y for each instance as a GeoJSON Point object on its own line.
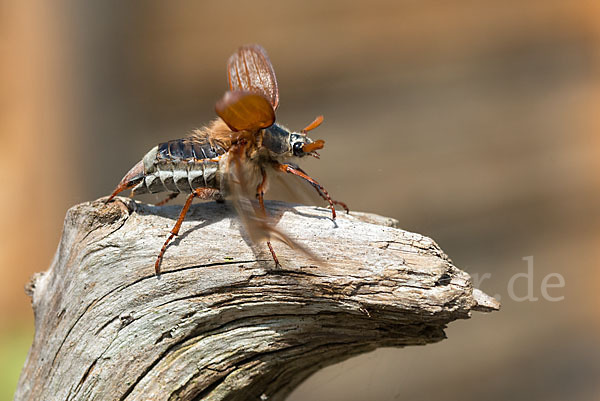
{"type": "Point", "coordinates": [291, 169]}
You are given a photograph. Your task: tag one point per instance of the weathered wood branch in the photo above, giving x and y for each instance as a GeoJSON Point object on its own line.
{"type": "Point", "coordinates": [221, 323]}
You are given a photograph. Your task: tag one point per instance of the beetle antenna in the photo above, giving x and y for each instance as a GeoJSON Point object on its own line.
{"type": "Point", "coordinates": [317, 121]}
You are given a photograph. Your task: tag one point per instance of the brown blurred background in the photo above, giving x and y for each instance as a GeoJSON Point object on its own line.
{"type": "Point", "coordinates": [473, 122]}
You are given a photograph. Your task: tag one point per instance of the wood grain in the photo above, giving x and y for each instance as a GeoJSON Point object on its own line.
{"type": "Point", "coordinates": [221, 322]}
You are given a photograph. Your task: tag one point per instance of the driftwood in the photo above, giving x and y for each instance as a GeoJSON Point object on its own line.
{"type": "Point", "coordinates": [221, 323]}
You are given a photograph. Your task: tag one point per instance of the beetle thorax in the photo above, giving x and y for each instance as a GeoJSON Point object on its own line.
{"type": "Point", "coordinates": [283, 144]}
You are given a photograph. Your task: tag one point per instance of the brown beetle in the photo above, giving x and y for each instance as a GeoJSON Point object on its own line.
{"type": "Point", "coordinates": [230, 157]}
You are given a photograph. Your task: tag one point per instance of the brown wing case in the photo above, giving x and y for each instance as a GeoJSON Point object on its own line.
{"type": "Point", "coordinates": [245, 111]}
{"type": "Point", "coordinates": [249, 69]}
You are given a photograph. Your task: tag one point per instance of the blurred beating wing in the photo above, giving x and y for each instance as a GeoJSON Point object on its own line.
{"type": "Point", "coordinates": [248, 107]}
{"type": "Point", "coordinates": [249, 69]}
{"type": "Point", "coordinates": [258, 226]}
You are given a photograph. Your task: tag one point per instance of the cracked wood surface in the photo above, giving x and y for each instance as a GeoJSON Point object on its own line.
{"type": "Point", "coordinates": [221, 323]}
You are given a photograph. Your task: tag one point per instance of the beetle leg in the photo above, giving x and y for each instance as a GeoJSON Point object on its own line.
{"type": "Point", "coordinates": [260, 193]}
{"type": "Point", "coordinates": [342, 204]}
{"type": "Point", "coordinates": [203, 193]}
{"type": "Point", "coordinates": [288, 168]}
{"type": "Point", "coordinates": [131, 179]}
{"type": "Point", "coordinates": [321, 194]}
{"type": "Point", "coordinates": [169, 197]}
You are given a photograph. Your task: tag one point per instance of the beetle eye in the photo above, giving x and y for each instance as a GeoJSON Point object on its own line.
{"type": "Point", "coordinates": [298, 149]}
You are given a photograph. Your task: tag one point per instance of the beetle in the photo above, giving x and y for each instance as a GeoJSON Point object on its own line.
{"type": "Point", "coordinates": [230, 157]}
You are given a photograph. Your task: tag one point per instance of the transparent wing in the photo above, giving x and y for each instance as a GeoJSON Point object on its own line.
{"type": "Point", "coordinates": [259, 227]}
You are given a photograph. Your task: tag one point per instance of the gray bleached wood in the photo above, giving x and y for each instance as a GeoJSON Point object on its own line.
{"type": "Point", "coordinates": [221, 323]}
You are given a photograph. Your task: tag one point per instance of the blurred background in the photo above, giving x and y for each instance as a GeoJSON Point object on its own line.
{"type": "Point", "coordinates": [473, 122]}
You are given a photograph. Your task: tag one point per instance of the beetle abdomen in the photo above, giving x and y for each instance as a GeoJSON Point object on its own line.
{"type": "Point", "coordinates": [187, 150]}
{"type": "Point", "coordinates": [181, 165]}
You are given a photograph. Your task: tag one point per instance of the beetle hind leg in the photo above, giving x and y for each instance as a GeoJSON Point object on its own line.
{"type": "Point", "coordinates": [131, 179]}
{"type": "Point", "coordinates": [202, 193]}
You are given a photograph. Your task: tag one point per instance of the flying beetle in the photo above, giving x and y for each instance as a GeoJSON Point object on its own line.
{"type": "Point", "coordinates": [230, 157]}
